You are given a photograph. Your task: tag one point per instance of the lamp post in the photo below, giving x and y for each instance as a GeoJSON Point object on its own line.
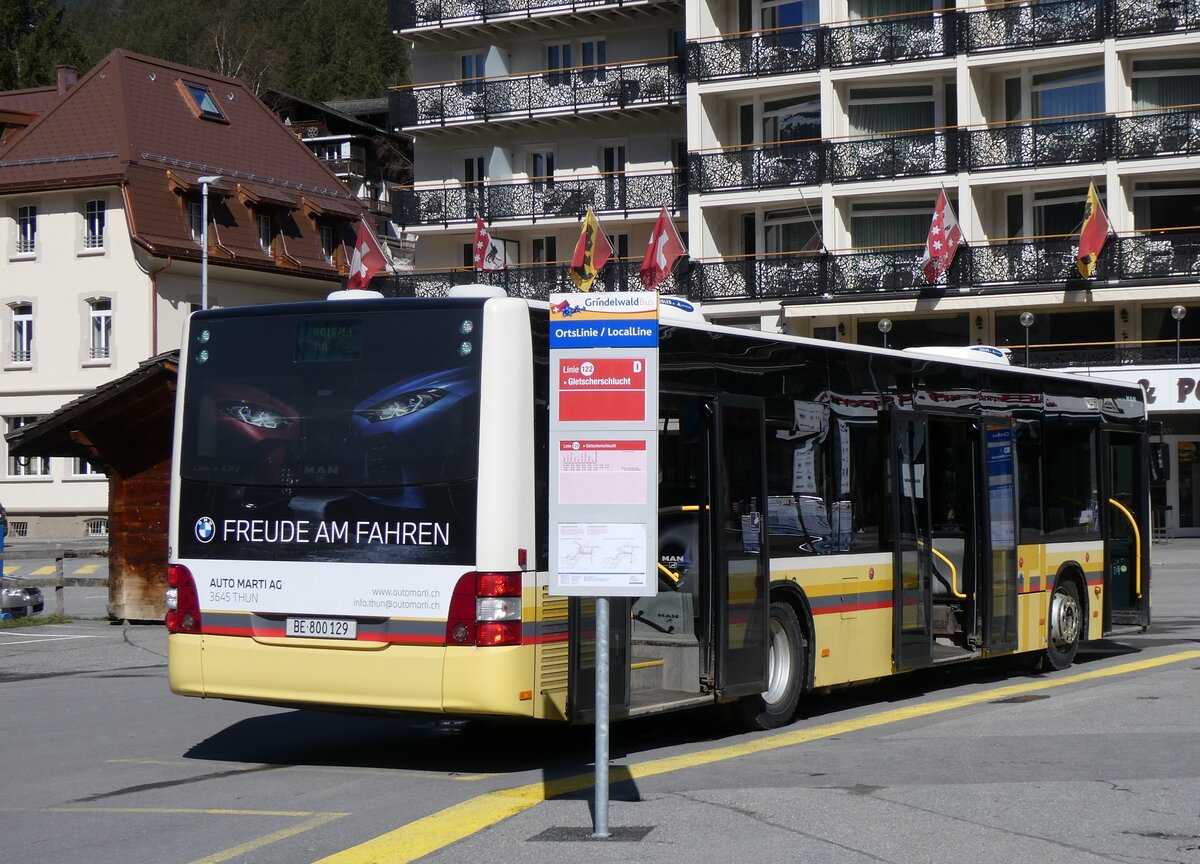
{"type": "Point", "coordinates": [1027, 320]}
{"type": "Point", "coordinates": [205, 182]}
{"type": "Point", "coordinates": [1177, 312]}
{"type": "Point", "coordinates": [885, 327]}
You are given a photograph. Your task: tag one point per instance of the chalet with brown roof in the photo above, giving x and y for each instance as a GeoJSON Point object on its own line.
{"type": "Point", "coordinates": [100, 226]}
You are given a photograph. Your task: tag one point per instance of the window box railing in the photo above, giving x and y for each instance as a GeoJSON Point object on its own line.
{"type": "Point", "coordinates": [540, 198]}
{"type": "Point", "coordinates": [646, 82]}
{"type": "Point", "coordinates": [528, 281]}
{"type": "Point", "coordinates": [407, 14]}
{"type": "Point", "coordinates": [892, 39]}
{"type": "Point", "coordinates": [900, 154]}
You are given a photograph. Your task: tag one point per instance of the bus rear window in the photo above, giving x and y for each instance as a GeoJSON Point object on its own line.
{"type": "Point", "coordinates": [382, 399]}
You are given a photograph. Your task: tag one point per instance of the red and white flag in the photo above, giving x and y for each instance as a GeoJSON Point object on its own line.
{"type": "Point", "coordinates": [489, 254]}
{"type": "Point", "coordinates": [944, 237]}
{"type": "Point", "coordinates": [664, 249]}
{"type": "Point", "coordinates": [367, 260]}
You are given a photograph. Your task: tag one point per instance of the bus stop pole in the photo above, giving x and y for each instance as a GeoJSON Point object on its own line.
{"type": "Point", "coordinates": [600, 822]}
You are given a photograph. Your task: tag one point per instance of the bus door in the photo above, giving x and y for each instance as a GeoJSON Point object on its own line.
{"type": "Point", "coordinates": [998, 539]}
{"type": "Point", "coordinates": [912, 542]}
{"type": "Point", "coordinates": [741, 562]}
{"type": "Point", "coordinates": [1126, 546]}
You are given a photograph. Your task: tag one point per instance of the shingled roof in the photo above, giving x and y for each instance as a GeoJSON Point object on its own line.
{"type": "Point", "coordinates": [132, 122]}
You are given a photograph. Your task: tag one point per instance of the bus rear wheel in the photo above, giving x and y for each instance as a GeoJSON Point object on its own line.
{"type": "Point", "coordinates": [1066, 624]}
{"type": "Point", "coordinates": [777, 705]}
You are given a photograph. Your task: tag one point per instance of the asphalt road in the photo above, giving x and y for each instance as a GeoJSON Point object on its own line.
{"type": "Point", "coordinates": [1101, 762]}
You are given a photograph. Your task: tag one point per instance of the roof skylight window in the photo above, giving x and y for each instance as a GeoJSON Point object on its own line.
{"type": "Point", "coordinates": [204, 101]}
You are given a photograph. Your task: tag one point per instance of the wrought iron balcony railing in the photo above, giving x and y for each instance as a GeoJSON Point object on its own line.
{"type": "Point", "coordinates": [539, 198]}
{"type": "Point", "coordinates": [1171, 133]}
{"type": "Point", "coordinates": [1148, 353]}
{"type": "Point", "coordinates": [528, 281]}
{"type": "Point", "coordinates": [646, 82]}
{"type": "Point", "coordinates": [408, 14]}
{"type": "Point", "coordinates": [765, 52]}
{"type": "Point", "coordinates": [892, 39]}
{"type": "Point", "coordinates": [900, 154]}
{"type": "Point", "coordinates": [792, 163]}
{"type": "Point", "coordinates": [1048, 263]}
{"type": "Point", "coordinates": [1037, 143]}
{"type": "Point", "coordinates": [1004, 26]}
{"type": "Point", "coordinates": [1141, 17]}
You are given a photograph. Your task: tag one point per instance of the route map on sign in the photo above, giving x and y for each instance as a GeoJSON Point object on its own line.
{"type": "Point", "coordinates": [597, 554]}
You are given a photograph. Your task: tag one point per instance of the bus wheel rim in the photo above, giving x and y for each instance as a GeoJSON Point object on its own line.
{"type": "Point", "coordinates": [779, 669]}
{"type": "Point", "coordinates": [1064, 619]}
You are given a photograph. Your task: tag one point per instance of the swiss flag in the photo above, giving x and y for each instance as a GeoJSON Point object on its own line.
{"type": "Point", "coordinates": [664, 249]}
{"type": "Point", "coordinates": [487, 253]}
{"type": "Point", "coordinates": [368, 258]}
{"type": "Point", "coordinates": [944, 237]}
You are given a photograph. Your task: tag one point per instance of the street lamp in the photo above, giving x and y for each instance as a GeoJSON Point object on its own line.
{"type": "Point", "coordinates": [1177, 312]}
{"type": "Point", "coordinates": [1027, 320]}
{"type": "Point", "coordinates": [885, 327]}
{"type": "Point", "coordinates": [205, 182]}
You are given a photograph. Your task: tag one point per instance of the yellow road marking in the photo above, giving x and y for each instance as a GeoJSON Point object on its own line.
{"type": "Point", "coordinates": [87, 568]}
{"type": "Point", "coordinates": [43, 571]}
{"type": "Point", "coordinates": [267, 840]}
{"type": "Point", "coordinates": [11, 568]}
{"type": "Point", "coordinates": [327, 769]}
{"type": "Point", "coordinates": [431, 833]}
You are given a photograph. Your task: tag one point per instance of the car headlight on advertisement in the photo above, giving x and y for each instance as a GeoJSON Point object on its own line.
{"type": "Point", "coordinates": [402, 405]}
{"type": "Point", "coordinates": [253, 415]}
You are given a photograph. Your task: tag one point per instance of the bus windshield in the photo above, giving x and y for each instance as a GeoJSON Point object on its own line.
{"type": "Point", "coordinates": [367, 415]}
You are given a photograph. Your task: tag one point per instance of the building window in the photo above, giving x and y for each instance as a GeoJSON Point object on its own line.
{"type": "Point", "coordinates": [791, 119]}
{"type": "Point", "coordinates": [22, 333]}
{"type": "Point", "coordinates": [594, 54]}
{"type": "Point", "coordinates": [891, 223]}
{"type": "Point", "coordinates": [26, 229]}
{"type": "Point", "coordinates": [97, 528]}
{"type": "Point", "coordinates": [1167, 204]}
{"type": "Point", "coordinates": [541, 168]}
{"type": "Point", "coordinates": [26, 466]}
{"type": "Point", "coordinates": [93, 224]}
{"type": "Point", "coordinates": [879, 110]}
{"type": "Point", "coordinates": [84, 468]}
{"type": "Point", "coordinates": [265, 234]}
{"type": "Point", "coordinates": [1068, 93]}
{"type": "Point", "coordinates": [789, 231]}
{"type": "Point", "coordinates": [195, 215]}
{"type": "Point", "coordinates": [100, 337]}
{"type": "Point", "coordinates": [1059, 212]}
{"type": "Point", "coordinates": [1166, 83]}
{"type": "Point", "coordinates": [544, 249]}
{"type": "Point", "coordinates": [327, 243]}
{"type": "Point", "coordinates": [203, 101]}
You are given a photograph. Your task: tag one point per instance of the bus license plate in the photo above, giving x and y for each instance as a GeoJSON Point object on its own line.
{"type": "Point", "coordinates": [322, 628]}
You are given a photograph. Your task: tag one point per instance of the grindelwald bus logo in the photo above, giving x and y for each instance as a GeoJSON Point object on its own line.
{"type": "Point", "coordinates": [206, 529]}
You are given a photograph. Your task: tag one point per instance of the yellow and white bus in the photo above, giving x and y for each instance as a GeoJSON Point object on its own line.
{"type": "Point", "coordinates": [359, 516]}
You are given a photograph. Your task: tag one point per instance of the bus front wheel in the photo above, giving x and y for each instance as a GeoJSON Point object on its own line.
{"type": "Point", "coordinates": [1066, 624]}
{"type": "Point", "coordinates": [777, 705]}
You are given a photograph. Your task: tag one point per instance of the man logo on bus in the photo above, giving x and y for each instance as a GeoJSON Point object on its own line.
{"type": "Point", "coordinates": [206, 529]}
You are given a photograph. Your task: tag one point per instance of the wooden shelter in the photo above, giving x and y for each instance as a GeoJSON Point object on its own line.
{"type": "Point", "coordinates": [124, 428]}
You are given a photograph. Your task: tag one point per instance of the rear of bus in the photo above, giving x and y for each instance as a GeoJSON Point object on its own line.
{"type": "Point", "coordinates": [330, 462]}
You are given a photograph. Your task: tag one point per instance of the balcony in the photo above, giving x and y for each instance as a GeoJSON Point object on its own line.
{"type": "Point", "coordinates": [584, 88]}
{"type": "Point", "coordinates": [529, 281]}
{"type": "Point", "coordinates": [540, 198]}
{"type": "Point", "coordinates": [1005, 26]}
{"type": "Point", "coordinates": [900, 154]}
{"type": "Point", "coordinates": [352, 167]}
{"type": "Point", "coordinates": [1053, 141]}
{"type": "Point", "coordinates": [892, 39]}
{"type": "Point", "coordinates": [1144, 17]}
{"type": "Point", "coordinates": [768, 166]}
{"type": "Point", "coordinates": [411, 14]}
{"type": "Point", "coordinates": [1157, 352]}
{"type": "Point", "coordinates": [753, 55]}
{"type": "Point", "coordinates": [1162, 133]}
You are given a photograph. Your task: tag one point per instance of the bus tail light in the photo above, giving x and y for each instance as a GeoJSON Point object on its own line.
{"type": "Point", "coordinates": [183, 601]}
{"type": "Point", "coordinates": [485, 609]}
